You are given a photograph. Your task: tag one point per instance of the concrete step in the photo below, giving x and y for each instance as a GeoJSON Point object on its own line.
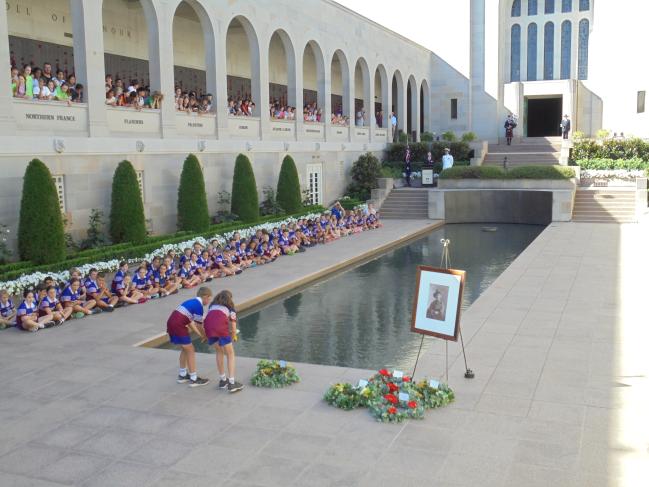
{"type": "Point", "coordinates": [603, 220]}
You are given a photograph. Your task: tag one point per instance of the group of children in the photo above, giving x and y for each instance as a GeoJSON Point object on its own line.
{"type": "Point", "coordinates": [52, 303]}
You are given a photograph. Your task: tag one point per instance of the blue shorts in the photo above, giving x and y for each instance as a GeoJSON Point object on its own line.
{"type": "Point", "coordinates": [176, 340]}
{"type": "Point", "coordinates": [222, 341]}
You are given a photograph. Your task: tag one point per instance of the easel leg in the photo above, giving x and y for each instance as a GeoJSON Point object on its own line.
{"type": "Point", "coordinates": [417, 360]}
{"type": "Point", "coordinates": [446, 343]}
{"type": "Point", "coordinates": [469, 373]}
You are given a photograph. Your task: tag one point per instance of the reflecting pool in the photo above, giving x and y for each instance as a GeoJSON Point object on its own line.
{"type": "Point", "coordinates": [361, 317]}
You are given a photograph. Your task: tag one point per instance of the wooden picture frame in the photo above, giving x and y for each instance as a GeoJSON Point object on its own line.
{"type": "Point", "coordinates": [438, 302]}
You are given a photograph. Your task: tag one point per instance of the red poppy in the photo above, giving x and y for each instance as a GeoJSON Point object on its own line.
{"type": "Point", "coordinates": [391, 398]}
{"type": "Point", "coordinates": [384, 372]}
{"type": "Point", "coordinates": [392, 410]}
{"type": "Point", "coordinates": [406, 378]}
{"type": "Point", "coordinates": [393, 387]}
{"type": "Point", "coordinates": [412, 404]}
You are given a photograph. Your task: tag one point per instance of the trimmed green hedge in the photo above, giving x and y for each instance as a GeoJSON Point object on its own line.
{"type": "Point", "coordinates": [127, 223]}
{"type": "Point", "coordinates": [192, 200]}
{"type": "Point", "coordinates": [245, 199]}
{"type": "Point", "coordinates": [523, 172]}
{"type": "Point", "coordinates": [627, 149]}
{"type": "Point", "coordinates": [626, 164]}
{"type": "Point", "coordinates": [350, 203]}
{"type": "Point", "coordinates": [419, 151]}
{"type": "Point", "coordinates": [129, 251]}
{"type": "Point", "coordinates": [289, 196]}
{"type": "Point", "coordinates": [40, 228]}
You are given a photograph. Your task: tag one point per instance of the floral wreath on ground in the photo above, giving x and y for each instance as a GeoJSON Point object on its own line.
{"type": "Point", "coordinates": [390, 397]}
{"type": "Point", "coordinates": [274, 374]}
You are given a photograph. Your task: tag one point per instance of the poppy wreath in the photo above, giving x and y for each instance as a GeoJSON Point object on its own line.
{"type": "Point", "coordinates": [274, 374]}
{"type": "Point", "coordinates": [390, 398]}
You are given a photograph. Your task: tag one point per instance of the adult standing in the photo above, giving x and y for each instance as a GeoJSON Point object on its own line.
{"type": "Point", "coordinates": [360, 117]}
{"type": "Point", "coordinates": [565, 127]}
{"type": "Point", "coordinates": [447, 159]}
{"type": "Point", "coordinates": [393, 124]}
{"type": "Point", "coordinates": [407, 167]}
{"type": "Point", "coordinates": [510, 125]}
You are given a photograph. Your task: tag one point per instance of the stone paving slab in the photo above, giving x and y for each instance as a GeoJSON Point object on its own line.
{"type": "Point", "coordinates": [560, 395]}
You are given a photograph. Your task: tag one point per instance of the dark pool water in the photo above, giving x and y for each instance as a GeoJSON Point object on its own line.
{"type": "Point", "coordinates": [361, 317]}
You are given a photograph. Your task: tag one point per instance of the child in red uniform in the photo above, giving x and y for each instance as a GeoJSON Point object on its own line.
{"type": "Point", "coordinates": [185, 318]}
{"type": "Point", "coordinates": [221, 330]}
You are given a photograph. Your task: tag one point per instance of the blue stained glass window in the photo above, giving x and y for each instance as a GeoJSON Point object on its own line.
{"type": "Point", "coordinates": [584, 34]}
{"type": "Point", "coordinates": [531, 52]}
{"type": "Point", "coordinates": [566, 6]}
{"type": "Point", "coordinates": [516, 53]}
{"type": "Point", "coordinates": [548, 51]}
{"type": "Point", "coordinates": [566, 46]}
{"type": "Point", "coordinates": [532, 7]}
{"type": "Point", "coordinates": [516, 8]}
{"type": "Point", "coordinates": [584, 5]}
{"type": "Point", "coordinates": [549, 6]}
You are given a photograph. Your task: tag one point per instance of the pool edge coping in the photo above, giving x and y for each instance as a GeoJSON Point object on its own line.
{"type": "Point", "coordinates": [159, 339]}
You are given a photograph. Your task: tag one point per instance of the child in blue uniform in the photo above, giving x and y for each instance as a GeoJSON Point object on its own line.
{"type": "Point", "coordinates": [7, 310]}
{"type": "Point", "coordinates": [185, 318]}
{"type": "Point", "coordinates": [221, 330]}
{"type": "Point", "coordinates": [51, 306]}
{"type": "Point", "coordinates": [72, 299]}
{"type": "Point", "coordinates": [27, 316]}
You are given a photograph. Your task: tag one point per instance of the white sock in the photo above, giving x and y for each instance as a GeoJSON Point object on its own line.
{"type": "Point", "coordinates": [193, 375]}
{"type": "Point", "coordinates": [223, 377]}
{"type": "Point", "coordinates": [231, 379]}
{"type": "Point", "coordinates": [182, 372]}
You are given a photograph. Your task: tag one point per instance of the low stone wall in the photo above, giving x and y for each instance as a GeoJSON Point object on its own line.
{"type": "Point", "coordinates": [502, 201]}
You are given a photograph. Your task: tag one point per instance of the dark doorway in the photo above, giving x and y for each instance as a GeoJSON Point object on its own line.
{"type": "Point", "coordinates": [544, 116]}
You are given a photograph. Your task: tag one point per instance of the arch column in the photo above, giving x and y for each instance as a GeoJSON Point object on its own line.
{"type": "Point", "coordinates": [260, 81]}
{"type": "Point", "coordinates": [161, 59]}
{"type": "Point", "coordinates": [221, 79]}
{"type": "Point", "coordinates": [7, 124]}
{"type": "Point", "coordinates": [370, 107]}
{"type": "Point", "coordinates": [299, 94]}
{"type": "Point", "coordinates": [88, 42]}
{"type": "Point", "coordinates": [425, 91]}
{"type": "Point", "coordinates": [387, 107]}
{"type": "Point", "coordinates": [414, 108]}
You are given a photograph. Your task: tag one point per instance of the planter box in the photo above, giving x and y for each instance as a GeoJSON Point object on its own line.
{"type": "Point", "coordinates": [385, 183]}
{"type": "Point", "coordinates": [531, 184]}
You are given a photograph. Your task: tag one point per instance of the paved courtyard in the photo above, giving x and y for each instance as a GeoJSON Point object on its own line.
{"type": "Point", "coordinates": [558, 344]}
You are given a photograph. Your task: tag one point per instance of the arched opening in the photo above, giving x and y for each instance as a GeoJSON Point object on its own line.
{"type": "Point", "coordinates": [313, 82]}
{"type": "Point", "coordinates": [566, 49]}
{"type": "Point", "coordinates": [582, 61]}
{"type": "Point", "coordinates": [531, 51]}
{"type": "Point", "coordinates": [192, 32]}
{"type": "Point", "coordinates": [515, 58]}
{"type": "Point", "coordinates": [242, 60]}
{"type": "Point", "coordinates": [548, 51]}
{"type": "Point", "coordinates": [36, 59]}
{"type": "Point", "coordinates": [424, 107]}
{"type": "Point", "coordinates": [340, 103]}
{"type": "Point", "coordinates": [362, 103]}
{"type": "Point", "coordinates": [381, 103]}
{"type": "Point", "coordinates": [281, 76]}
{"type": "Point", "coordinates": [126, 51]}
{"type": "Point", "coordinates": [413, 105]}
{"type": "Point", "coordinates": [398, 108]}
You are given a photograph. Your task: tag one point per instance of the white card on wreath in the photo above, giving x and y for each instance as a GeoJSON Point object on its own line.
{"type": "Point", "coordinates": [404, 397]}
{"type": "Point", "coordinates": [397, 374]}
{"type": "Point", "coordinates": [434, 384]}
{"type": "Point", "coordinates": [282, 364]}
{"type": "Point", "coordinates": [362, 383]}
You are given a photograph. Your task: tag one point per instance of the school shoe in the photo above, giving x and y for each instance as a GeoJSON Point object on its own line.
{"type": "Point", "coordinates": [109, 308]}
{"type": "Point", "coordinates": [198, 382]}
{"type": "Point", "coordinates": [95, 311]}
{"type": "Point", "coordinates": [49, 324]}
{"type": "Point", "coordinates": [183, 379]}
{"type": "Point", "coordinates": [234, 386]}
{"type": "Point", "coordinates": [223, 384]}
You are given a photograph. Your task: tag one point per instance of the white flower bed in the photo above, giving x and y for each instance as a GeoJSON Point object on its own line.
{"type": "Point", "coordinates": [17, 286]}
{"type": "Point", "coordinates": [614, 174]}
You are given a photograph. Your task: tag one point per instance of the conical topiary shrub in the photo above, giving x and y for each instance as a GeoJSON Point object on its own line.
{"type": "Point", "coordinates": [192, 200]}
{"type": "Point", "coordinates": [289, 196]}
{"type": "Point", "coordinates": [41, 236]}
{"type": "Point", "coordinates": [126, 208]}
{"type": "Point", "coordinates": [245, 200]}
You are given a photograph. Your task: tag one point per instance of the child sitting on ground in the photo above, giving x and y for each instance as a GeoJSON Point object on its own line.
{"type": "Point", "coordinates": [7, 310]}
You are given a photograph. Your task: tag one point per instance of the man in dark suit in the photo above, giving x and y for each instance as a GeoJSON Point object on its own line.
{"type": "Point", "coordinates": [565, 127]}
{"type": "Point", "coordinates": [407, 167]}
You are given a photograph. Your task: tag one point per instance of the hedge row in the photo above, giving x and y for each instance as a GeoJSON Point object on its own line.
{"type": "Point", "coordinates": [627, 149]}
{"type": "Point", "coordinates": [635, 164]}
{"type": "Point", "coordinates": [130, 251]}
{"type": "Point", "coordinates": [522, 172]}
{"type": "Point", "coordinates": [419, 151]}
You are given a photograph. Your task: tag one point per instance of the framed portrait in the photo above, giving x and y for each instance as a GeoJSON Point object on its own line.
{"type": "Point", "coordinates": [438, 300]}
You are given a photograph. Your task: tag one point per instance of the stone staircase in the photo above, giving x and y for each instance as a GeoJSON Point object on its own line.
{"type": "Point", "coordinates": [604, 206]}
{"type": "Point", "coordinates": [406, 204]}
{"type": "Point", "coordinates": [528, 152]}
